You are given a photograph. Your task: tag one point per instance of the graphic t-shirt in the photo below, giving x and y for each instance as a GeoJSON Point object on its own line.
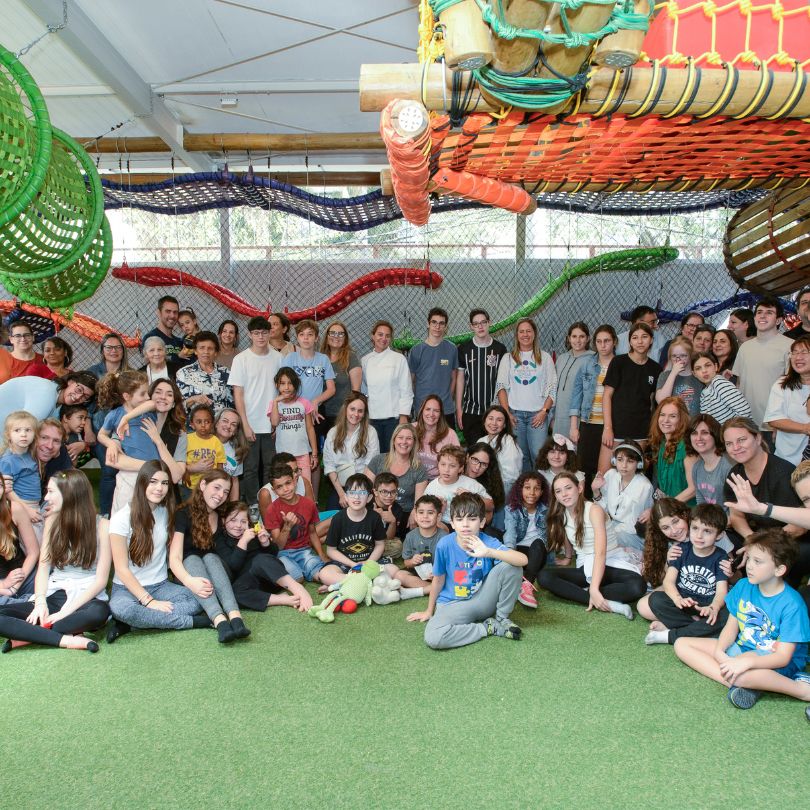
{"type": "Point", "coordinates": [307, 516]}
{"type": "Point", "coordinates": [698, 576]}
{"type": "Point", "coordinates": [764, 620]}
{"type": "Point", "coordinates": [199, 449]}
{"type": "Point", "coordinates": [313, 371]}
{"type": "Point", "coordinates": [687, 388]}
{"type": "Point", "coordinates": [355, 539]}
{"type": "Point", "coordinates": [463, 573]}
{"type": "Point", "coordinates": [291, 430]}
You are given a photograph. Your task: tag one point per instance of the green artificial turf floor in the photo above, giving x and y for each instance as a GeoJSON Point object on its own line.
{"type": "Point", "coordinates": [361, 714]}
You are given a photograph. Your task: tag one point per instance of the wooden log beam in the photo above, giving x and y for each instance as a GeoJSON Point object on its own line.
{"type": "Point", "coordinates": [379, 84]}
{"type": "Point", "coordinates": [213, 142]}
{"type": "Point", "coordinates": [313, 179]}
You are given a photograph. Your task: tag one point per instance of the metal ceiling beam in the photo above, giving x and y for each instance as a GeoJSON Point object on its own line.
{"type": "Point", "coordinates": [89, 44]}
{"type": "Point", "coordinates": [225, 87]}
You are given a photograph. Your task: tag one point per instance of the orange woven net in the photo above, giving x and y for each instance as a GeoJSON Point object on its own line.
{"type": "Point", "coordinates": [540, 151]}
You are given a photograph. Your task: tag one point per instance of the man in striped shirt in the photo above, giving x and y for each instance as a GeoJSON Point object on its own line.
{"type": "Point", "coordinates": [478, 361]}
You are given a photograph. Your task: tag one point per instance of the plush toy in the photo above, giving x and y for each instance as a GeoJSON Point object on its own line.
{"type": "Point", "coordinates": [385, 590]}
{"type": "Point", "coordinates": [356, 587]}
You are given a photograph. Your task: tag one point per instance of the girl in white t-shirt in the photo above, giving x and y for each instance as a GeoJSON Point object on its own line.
{"type": "Point", "coordinates": [142, 595]}
{"type": "Point", "coordinates": [291, 418]}
{"type": "Point", "coordinates": [74, 564]}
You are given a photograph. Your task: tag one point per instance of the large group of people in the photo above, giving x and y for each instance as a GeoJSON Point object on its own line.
{"type": "Point", "coordinates": [631, 472]}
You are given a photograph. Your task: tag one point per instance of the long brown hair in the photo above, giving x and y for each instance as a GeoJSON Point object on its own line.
{"type": "Point", "coordinates": [342, 426]}
{"type": "Point", "coordinates": [555, 520]}
{"type": "Point", "coordinates": [142, 519]}
{"type": "Point", "coordinates": [344, 352]}
{"type": "Point", "coordinates": [176, 417]}
{"type": "Point", "coordinates": [71, 531]}
{"type": "Point", "coordinates": [197, 509]}
{"type": "Point", "coordinates": [656, 543]}
{"type": "Point", "coordinates": [8, 535]}
{"type": "Point", "coordinates": [657, 438]}
{"type": "Point", "coordinates": [442, 428]}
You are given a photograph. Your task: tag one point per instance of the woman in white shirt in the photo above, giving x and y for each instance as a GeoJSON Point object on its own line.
{"type": "Point", "coordinates": [349, 447]}
{"type": "Point", "coordinates": [387, 382]}
{"type": "Point", "coordinates": [74, 564]}
{"type": "Point", "coordinates": [142, 595]}
{"type": "Point", "coordinates": [787, 404]}
{"type": "Point", "coordinates": [527, 386]}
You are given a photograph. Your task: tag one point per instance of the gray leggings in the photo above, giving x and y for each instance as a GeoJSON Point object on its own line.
{"type": "Point", "coordinates": [210, 567]}
{"type": "Point", "coordinates": [126, 608]}
{"type": "Point", "coordinates": [455, 624]}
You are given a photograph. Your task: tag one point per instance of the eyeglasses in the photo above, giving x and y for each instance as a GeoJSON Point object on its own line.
{"type": "Point", "coordinates": [386, 493]}
{"type": "Point", "coordinates": [113, 347]}
{"type": "Point", "coordinates": [332, 333]}
{"type": "Point", "coordinates": [434, 322]}
{"type": "Point", "coordinates": [794, 353]}
{"type": "Point", "coordinates": [22, 336]}
{"type": "Point", "coordinates": [357, 493]}
{"type": "Point", "coordinates": [679, 356]}
{"type": "Point", "coordinates": [476, 462]}
{"type": "Point", "coordinates": [478, 323]}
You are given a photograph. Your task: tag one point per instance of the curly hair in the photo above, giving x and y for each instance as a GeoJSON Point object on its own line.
{"type": "Point", "coordinates": [516, 493]}
{"type": "Point", "coordinates": [656, 544]}
{"type": "Point", "coordinates": [112, 387]}
{"type": "Point", "coordinates": [571, 461]}
{"type": "Point", "coordinates": [197, 510]}
{"type": "Point", "coordinates": [657, 438]}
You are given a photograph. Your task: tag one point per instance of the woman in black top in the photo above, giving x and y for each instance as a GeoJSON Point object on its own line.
{"type": "Point", "coordinates": [19, 550]}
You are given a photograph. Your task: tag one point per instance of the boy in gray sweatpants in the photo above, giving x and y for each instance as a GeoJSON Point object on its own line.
{"type": "Point", "coordinates": [476, 581]}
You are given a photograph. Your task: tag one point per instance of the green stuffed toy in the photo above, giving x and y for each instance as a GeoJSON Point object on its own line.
{"type": "Point", "coordinates": [357, 587]}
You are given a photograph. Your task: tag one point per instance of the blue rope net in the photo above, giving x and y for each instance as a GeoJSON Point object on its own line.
{"type": "Point", "coordinates": [191, 193]}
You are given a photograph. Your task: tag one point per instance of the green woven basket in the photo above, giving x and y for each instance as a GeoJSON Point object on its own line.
{"type": "Point", "coordinates": [25, 137]}
{"type": "Point", "coordinates": [73, 284]}
{"type": "Point", "coordinates": [60, 223]}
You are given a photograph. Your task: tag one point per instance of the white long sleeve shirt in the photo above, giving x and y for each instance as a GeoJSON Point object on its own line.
{"type": "Point", "coordinates": [387, 381]}
{"type": "Point", "coordinates": [346, 460]}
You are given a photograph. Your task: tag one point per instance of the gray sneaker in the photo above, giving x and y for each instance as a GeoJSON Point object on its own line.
{"type": "Point", "coordinates": [743, 698]}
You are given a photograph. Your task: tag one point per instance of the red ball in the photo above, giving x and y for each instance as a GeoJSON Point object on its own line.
{"type": "Point", "coordinates": [348, 606]}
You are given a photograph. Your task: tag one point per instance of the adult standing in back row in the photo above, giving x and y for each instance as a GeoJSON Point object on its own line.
{"type": "Point", "coordinates": [251, 377]}
{"type": "Point", "coordinates": [478, 361]}
{"type": "Point", "coordinates": [434, 366]}
{"type": "Point", "coordinates": [762, 360]}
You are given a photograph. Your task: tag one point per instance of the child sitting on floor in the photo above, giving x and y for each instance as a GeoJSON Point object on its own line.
{"type": "Point", "coordinates": [763, 645]}
{"type": "Point", "coordinates": [386, 487]}
{"type": "Point", "coordinates": [476, 581]}
{"type": "Point", "coordinates": [692, 602]}
{"type": "Point", "coordinates": [625, 493]}
{"type": "Point", "coordinates": [420, 544]}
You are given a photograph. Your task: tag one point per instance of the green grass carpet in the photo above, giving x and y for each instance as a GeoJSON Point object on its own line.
{"type": "Point", "coordinates": [361, 714]}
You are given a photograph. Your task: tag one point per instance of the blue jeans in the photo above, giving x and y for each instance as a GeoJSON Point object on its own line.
{"type": "Point", "coordinates": [126, 608]}
{"type": "Point", "coordinates": [385, 429]}
{"type": "Point", "coordinates": [529, 439]}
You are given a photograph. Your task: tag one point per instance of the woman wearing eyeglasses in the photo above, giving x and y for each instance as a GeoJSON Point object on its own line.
{"type": "Point", "coordinates": [22, 354]}
{"type": "Point", "coordinates": [786, 412]}
{"type": "Point", "coordinates": [348, 373]}
{"type": "Point", "coordinates": [113, 357]}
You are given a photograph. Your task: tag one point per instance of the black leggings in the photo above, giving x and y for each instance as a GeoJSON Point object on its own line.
{"type": "Point", "coordinates": [617, 584]}
{"type": "Point", "coordinates": [257, 580]}
{"type": "Point", "coordinates": [13, 622]}
{"type": "Point", "coordinates": [537, 554]}
{"type": "Point", "coordinates": [680, 621]}
{"type": "Point", "coordinates": [588, 447]}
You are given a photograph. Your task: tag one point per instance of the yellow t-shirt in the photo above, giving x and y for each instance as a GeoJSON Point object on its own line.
{"type": "Point", "coordinates": [200, 449]}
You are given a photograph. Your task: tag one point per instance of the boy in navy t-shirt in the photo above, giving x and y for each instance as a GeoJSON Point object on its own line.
{"type": "Point", "coordinates": [763, 646]}
{"type": "Point", "coordinates": [692, 602]}
{"type": "Point", "coordinates": [476, 581]}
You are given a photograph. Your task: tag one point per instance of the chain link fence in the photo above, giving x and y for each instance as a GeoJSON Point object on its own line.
{"type": "Point", "coordinates": [486, 258]}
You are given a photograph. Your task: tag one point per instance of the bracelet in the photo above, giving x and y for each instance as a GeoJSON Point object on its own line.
{"type": "Point", "coordinates": [13, 590]}
{"type": "Point", "coordinates": [151, 599]}
{"type": "Point", "coordinates": [768, 510]}
{"type": "Point", "coordinates": [140, 600]}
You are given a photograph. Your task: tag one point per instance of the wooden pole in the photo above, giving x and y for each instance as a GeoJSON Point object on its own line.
{"type": "Point", "coordinates": [622, 49]}
{"type": "Point", "coordinates": [381, 83]}
{"type": "Point", "coordinates": [467, 38]}
{"type": "Point", "coordinates": [314, 179]}
{"type": "Point", "coordinates": [518, 55]}
{"type": "Point", "coordinates": [568, 61]}
{"type": "Point", "coordinates": [212, 142]}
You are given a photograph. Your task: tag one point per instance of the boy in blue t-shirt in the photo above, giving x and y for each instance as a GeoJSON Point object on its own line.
{"type": "Point", "coordinates": [763, 646]}
{"type": "Point", "coordinates": [692, 602]}
{"type": "Point", "coordinates": [476, 581]}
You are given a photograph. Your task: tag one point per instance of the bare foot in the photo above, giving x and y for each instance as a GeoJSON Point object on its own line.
{"type": "Point", "coordinates": [15, 643]}
{"type": "Point", "coordinates": [323, 589]}
{"type": "Point", "coordinates": [656, 625]}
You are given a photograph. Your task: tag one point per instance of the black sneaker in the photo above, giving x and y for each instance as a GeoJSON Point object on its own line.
{"type": "Point", "coordinates": [743, 698]}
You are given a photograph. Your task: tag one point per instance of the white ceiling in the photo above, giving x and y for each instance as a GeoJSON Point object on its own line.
{"type": "Point", "coordinates": [161, 67]}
